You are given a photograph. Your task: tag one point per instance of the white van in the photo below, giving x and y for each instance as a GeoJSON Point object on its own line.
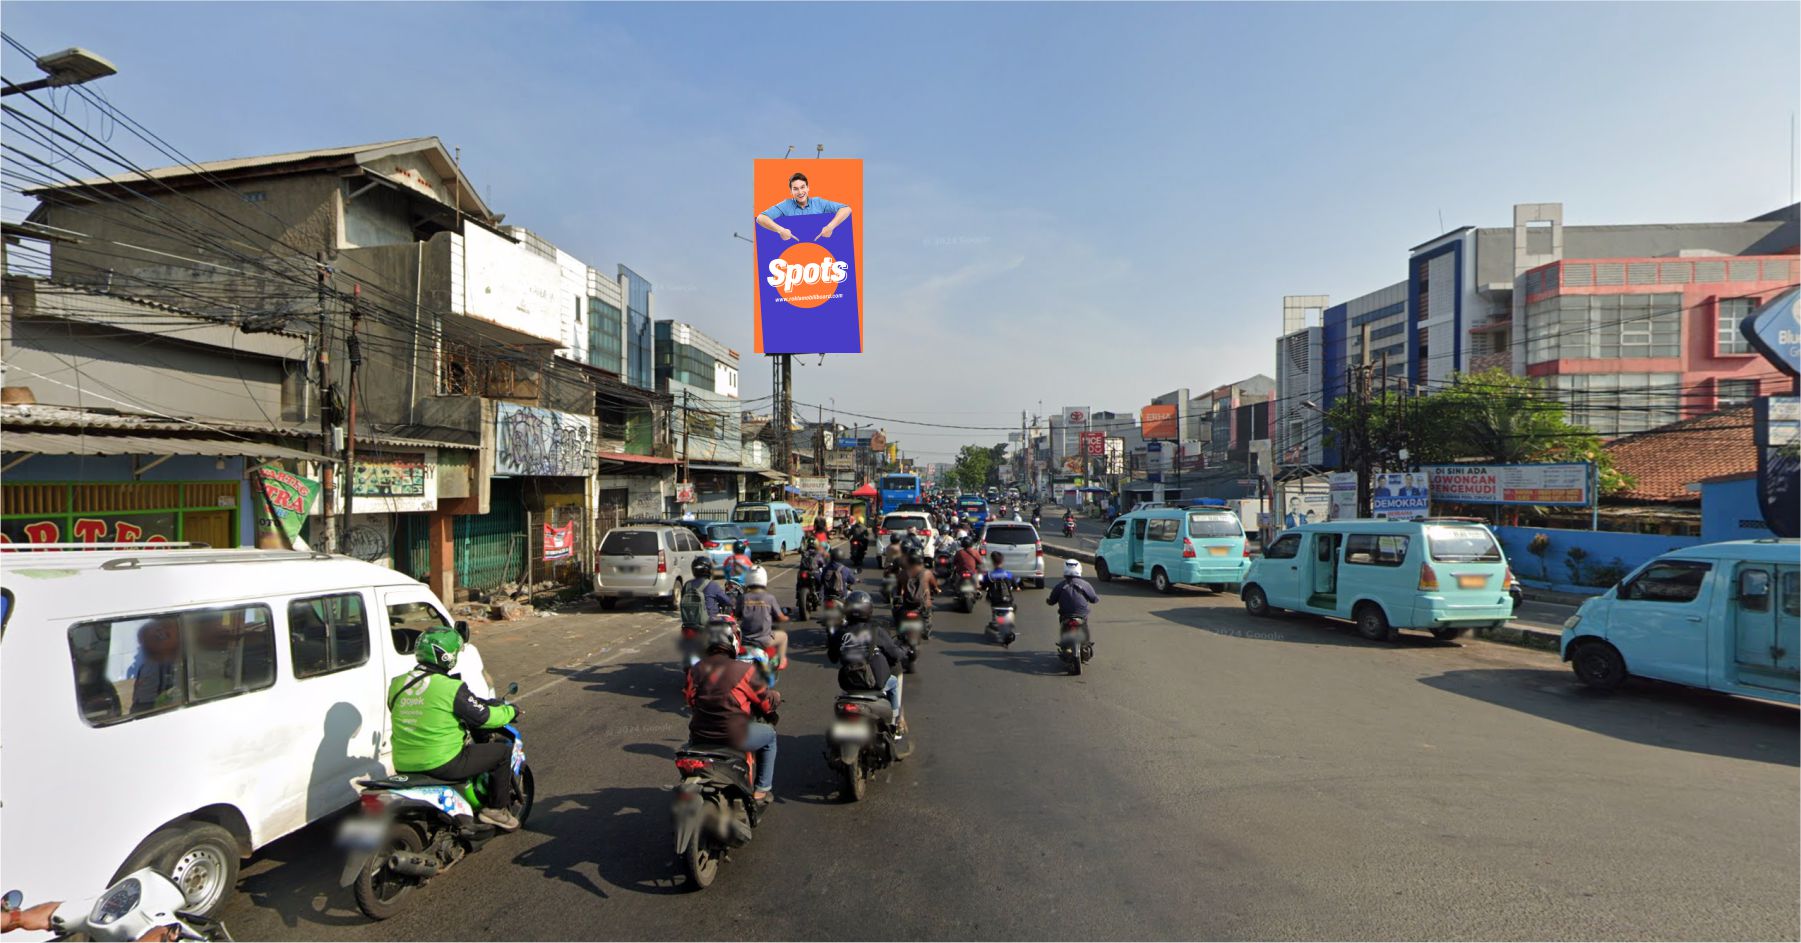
{"type": "Point", "coordinates": [181, 708]}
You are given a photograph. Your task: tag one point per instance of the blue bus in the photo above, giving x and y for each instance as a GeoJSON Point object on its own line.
{"type": "Point", "coordinates": [898, 489]}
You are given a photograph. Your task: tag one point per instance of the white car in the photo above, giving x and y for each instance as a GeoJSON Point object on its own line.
{"type": "Point", "coordinates": [180, 708]}
{"type": "Point", "coordinates": [1021, 550]}
{"type": "Point", "coordinates": [900, 522]}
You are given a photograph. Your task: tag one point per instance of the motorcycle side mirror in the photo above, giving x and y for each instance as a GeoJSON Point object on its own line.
{"type": "Point", "coordinates": [512, 689]}
{"type": "Point", "coordinates": [13, 900]}
{"type": "Point", "coordinates": [788, 611]}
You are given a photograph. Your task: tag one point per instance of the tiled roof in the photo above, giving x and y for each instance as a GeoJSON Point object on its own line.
{"type": "Point", "coordinates": [1666, 460]}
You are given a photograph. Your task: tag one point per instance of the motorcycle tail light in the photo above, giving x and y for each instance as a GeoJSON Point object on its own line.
{"type": "Point", "coordinates": [688, 765]}
{"type": "Point", "coordinates": [849, 709]}
{"type": "Point", "coordinates": [371, 803]}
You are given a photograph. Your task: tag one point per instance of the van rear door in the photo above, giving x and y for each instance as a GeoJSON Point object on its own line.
{"type": "Point", "coordinates": [1764, 624]}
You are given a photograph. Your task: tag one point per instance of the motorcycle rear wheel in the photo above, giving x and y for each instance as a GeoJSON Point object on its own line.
{"type": "Point", "coordinates": [856, 784]}
{"type": "Point", "coordinates": [381, 893]}
{"type": "Point", "coordinates": [701, 861]}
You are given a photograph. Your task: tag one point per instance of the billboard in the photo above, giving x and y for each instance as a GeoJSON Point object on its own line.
{"type": "Point", "coordinates": [809, 243]}
{"type": "Point", "coordinates": [1566, 483]}
{"type": "Point", "coordinates": [1399, 496]}
{"type": "Point", "coordinates": [1094, 444]}
{"type": "Point", "coordinates": [1342, 497]}
{"type": "Point", "coordinates": [1159, 422]}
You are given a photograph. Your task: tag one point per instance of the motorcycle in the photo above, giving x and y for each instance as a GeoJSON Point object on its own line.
{"type": "Point", "coordinates": [914, 630]}
{"type": "Point", "coordinates": [1073, 646]}
{"type": "Point", "coordinates": [133, 908]}
{"type": "Point", "coordinates": [1069, 527]}
{"type": "Point", "coordinates": [1000, 627]}
{"type": "Point", "coordinates": [808, 597]}
{"type": "Point", "coordinates": [890, 585]}
{"type": "Point", "coordinates": [714, 808]}
{"type": "Point", "coordinates": [412, 827]}
{"type": "Point", "coordinates": [859, 551]}
{"type": "Point", "coordinates": [941, 565]}
{"type": "Point", "coordinates": [967, 592]}
{"type": "Point", "coordinates": [862, 739]}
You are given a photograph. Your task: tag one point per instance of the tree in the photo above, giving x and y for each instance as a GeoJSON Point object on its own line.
{"type": "Point", "coordinates": [1488, 417]}
{"type": "Point", "coordinates": [972, 467]}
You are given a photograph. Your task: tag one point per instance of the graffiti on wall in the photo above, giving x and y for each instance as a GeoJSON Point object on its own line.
{"type": "Point", "coordinates": [529, 440]}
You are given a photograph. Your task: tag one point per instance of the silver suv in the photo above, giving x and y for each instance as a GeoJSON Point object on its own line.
{"type": "Point", "coordinates": [1022, 553]}
{"type": "Point", "coordinates": [644, 561]}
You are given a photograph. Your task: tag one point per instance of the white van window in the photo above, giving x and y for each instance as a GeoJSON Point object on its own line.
{"type": "Point", "coordinates": [1162, 529]}
{"type": "Point", "coordinates": [1375, 549]}
{"type": "Point", "coordinates": [1285, 548]}
{"type": "Point", "coordinates": [409, 620]}
{"type": "Point", "coordinates": [141, 665]}
{"type": "Point", "coordinates": [1451, 544]}
{"type": "Point", "coordinates": [327, 634]}
{"type": "Point", "coordinates": [1669, 581]}
{"type": "Point", "coordinates": [750, 515]}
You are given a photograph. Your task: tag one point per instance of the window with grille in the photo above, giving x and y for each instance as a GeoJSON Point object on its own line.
{"type": "Point", "coordinates": [1732, 313]}
{"type": "Point", "coordinates": [1733, 392]}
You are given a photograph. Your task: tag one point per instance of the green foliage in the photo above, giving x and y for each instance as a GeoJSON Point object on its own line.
{"type": "Point", "coordinates": [1492, 417]}
{"type": "Point", "coordinates": [974, 463]}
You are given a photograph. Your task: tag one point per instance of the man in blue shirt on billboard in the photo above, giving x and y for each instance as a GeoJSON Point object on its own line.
{"type": "Point", "coordinates": [800, 203]}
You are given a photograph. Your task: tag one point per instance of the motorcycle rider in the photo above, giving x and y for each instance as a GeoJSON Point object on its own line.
{"type": "Point", "coordinates": [863, 643]}
{"type": "Point", "coordinates": [858, 536]}
{"type": "Point", "coordinates": [726, 697]}
{"type": "Point", "coordinates": [759, 613]}
{"type": "Point", "coordinates": [821, 530]}
{"type": "Point", "coordinates": [430, 709]}
{"type": "Point", "coordinates": [1074, 599]}
{"type": "Point", "coordinates": [739, 564]}
{"type": "Point", "coordinates": [836, 578]}
{"type": "Point", "coordinates": [918, 587]}
{"type": "Point", "coordinates": [812, 562]}
{"type": "Point", "coordinates": [913, 543]}
{"type": "Point", "coordinates": [1037, 514]}
{"type": "Point", "coordinates": [967, 562]}
{"type": "Point", "coordinates": [999, 585]}
{"type": "Point", "coordinates": [703, 597]}
{"type": "Point", "coordinates": [1069, 521]}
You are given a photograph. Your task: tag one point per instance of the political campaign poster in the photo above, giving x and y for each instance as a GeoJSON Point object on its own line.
{"type": "Point", "coordinates": [1399, 496]}
{"type": "Point", "coordinates": [1343, 496]}
{"type": "Point", "coordinates": [1550, 484]}
{"type": "Point", "coordinates": [559, 541]}
{"type": "Point", "coordinates": [809, 246]}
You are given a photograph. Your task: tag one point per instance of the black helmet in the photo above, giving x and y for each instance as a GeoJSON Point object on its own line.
{"type": "Point", "coordinates": [968, 542]}
{"type": "Point", "coordinates": [858, 606]}
{"type": "Point", "coordinates": [839, 554]}
{"type": "Point", "coordinates": [702, 568]}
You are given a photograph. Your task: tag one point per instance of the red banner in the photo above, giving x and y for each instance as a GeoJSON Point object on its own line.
{"type": "Point", "coordinates": [1094, 444]}
{"type": "Point", "coordinates": [559, 542]}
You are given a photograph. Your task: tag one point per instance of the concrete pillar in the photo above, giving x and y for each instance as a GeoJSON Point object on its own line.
{"type": "Point", "coordinates": [441, 556]}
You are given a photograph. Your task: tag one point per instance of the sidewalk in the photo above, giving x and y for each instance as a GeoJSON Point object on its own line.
{"type": "Point", "coordinates": [1538, 624]}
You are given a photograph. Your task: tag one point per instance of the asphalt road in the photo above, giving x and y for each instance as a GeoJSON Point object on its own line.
{"type": "Point", "coordinates": [1210, 776]}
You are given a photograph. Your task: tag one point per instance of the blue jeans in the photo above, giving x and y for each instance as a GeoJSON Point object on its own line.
{"type": "Point", "coordinates": [892, 690]}
{"type": "Point", "coordinates": [760, 739]}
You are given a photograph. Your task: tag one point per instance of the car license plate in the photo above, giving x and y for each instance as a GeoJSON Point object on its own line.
{"type": "Point", "coordinates": [1218, 551]}
{"type": "Point", "coordinates": [849, 731]}
{"type": "Point", "coordinates": [750, 531]}
{"type": "Point", "coordinates": [1471, 581]}
{"type": "Point", "coordinates": [627, 569]}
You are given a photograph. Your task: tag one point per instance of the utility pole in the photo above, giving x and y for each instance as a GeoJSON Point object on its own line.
{"type": "Point", "coordinates": [354, 348]}
{"type": "Point", "coordinates": [327, 535]}
{"type": "Point", "coordinates": [784, 412]}
{"type": "Point", "coordinates": [687, 428]}
{"type": "Point", "coordinates": [819, 441]}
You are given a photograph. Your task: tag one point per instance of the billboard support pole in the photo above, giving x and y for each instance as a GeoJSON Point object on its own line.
{"type": "Point", "coordinates": [1594, 496]}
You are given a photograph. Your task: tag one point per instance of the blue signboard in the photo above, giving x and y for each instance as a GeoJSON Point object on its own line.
{"type": "Point", "coordinates": [1774, 330]}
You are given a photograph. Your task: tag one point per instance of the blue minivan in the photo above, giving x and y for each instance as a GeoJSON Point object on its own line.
{"type": "Point", "coordinates": [769, 527]}
{"type": "Point", "coordinates": [1723, 616]}
{"type": "Point", "coordinates": [1203, 545]}
{"type": "Point", "coordinates": [1443, 575]}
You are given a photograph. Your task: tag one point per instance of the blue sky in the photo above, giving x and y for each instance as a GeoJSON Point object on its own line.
{"type": "Point", "coordinates": [1073, 204]}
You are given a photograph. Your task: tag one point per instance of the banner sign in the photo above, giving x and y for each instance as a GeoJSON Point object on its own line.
{"type": "Point", "coordinates": [1566, 484]}
{"type": "Point", "coordinates": [395, 482]}
{"type": "Point", "coordinates": [559, 541]}
{"type": "Point", "coordinates": [1775, 331]}
{"type": "Point", "coordinates": [1159, 422]}
{"type": "Point", "coordinates": [819, 489]}
{"type": "Point", "coordinates": [1399, 496]}
{"type": "Point", "coordinates": [684, 492]}
{"type": "Point", "coordinates": [1342, 496]}
{"type": "Point", "coordinates": [283, 501]}
{"type": "Point", "coordinates": [1094, 444]}
{"type": "Point", "coordinates": [1778, 420]}
{"type": "Point", "coordinates": [809, 227]}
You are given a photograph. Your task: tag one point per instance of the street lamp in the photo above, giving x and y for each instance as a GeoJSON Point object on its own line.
{"type": "Point", "coordinates": [69, 67]}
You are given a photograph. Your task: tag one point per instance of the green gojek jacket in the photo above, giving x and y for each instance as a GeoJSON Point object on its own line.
{"type": "Point", "coordinates": [429, 714]}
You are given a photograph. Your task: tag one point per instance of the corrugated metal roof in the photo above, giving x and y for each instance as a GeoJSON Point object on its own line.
{"type": "Point", "coordinates": [379, 439]}
{"type": "Point", "coordinates": [52, 443]}
{"type": "Point", "coordinates": [38, 415]}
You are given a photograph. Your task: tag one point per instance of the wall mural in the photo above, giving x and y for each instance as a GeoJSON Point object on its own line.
{"type": "Point", "coordinates": [529, 440]}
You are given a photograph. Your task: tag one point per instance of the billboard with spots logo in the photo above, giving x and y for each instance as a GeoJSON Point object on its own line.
{"type": "Point", "coordinates": [809, 236]}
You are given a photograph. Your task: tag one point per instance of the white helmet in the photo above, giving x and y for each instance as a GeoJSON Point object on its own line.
{"type": "Point", "coordinates": [759, 577]}
{"type": "Point", "coordinates": [1071, 567]}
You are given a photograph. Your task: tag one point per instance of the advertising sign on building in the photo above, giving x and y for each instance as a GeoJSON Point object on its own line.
{"type": "Point", "coordinates": [1778, 421]}
{"type": "Point", "coordinates": [1159, 422]}
{"type": "Point", "coordinates": [530, 440]}
{"type": "Point", "coordinates": [819, 489]}
{"type": "Point", "coordinates": [1565, 483]}
{"type": "Point", "coordinates": [1399, 496]}
{"type": "Point", "coordinates": [1094, 444]}
{"type": "Point", "coordinates": [1075, 416]}
{"type": "Point", "coordinates": [395, 482]}
{"type": "Point", "coordinates": [1343, 496]}
{"type": "Point", "coordinates": [684, 492]}
{"type": "Point", "coordinates": [809, 226]}
{"type": "Point", "coordinates": [559, 541]}
{"type": "Point", "coordinates": [283, 500]}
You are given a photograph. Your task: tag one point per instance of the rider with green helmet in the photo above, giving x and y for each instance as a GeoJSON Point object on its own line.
{"type": "Point", "coordinates": [430, 710]}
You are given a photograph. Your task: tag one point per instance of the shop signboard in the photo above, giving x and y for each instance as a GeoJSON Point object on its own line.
{"type": "Point", "coordinates": [1550, 484]}
{"type": "Point", "coordinates": [395, 482]}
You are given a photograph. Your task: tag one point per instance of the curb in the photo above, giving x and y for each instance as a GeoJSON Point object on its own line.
{"type": "Point", "coordinates": [1525, 636]}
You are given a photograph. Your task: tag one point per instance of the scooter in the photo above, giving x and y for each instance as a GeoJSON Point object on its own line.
{"type": "Point", "coordinates": [1069, 527]}
{"type": "Point", "coordinates": [412, 827]}
{"type": "Point", "coordinates": [914, 630]}
{"type": "Point", "coordinates": [967, 593]}
{"type": "Point", "coordinates": [1000, 627]}
{"type": "Point", "coordinates": [1073, 646]}
{"type": "Point", "coordinates": [133, 908]}
{"type": "Point", "coordinates": [808, 597]}
{"type": "Point", "coordinates": [859, 551]}
{"type": "Point", "coordinates": [862, 739]}
{"type": "Point", "coordinates": [941, 565]}
{"type": "Point", "coordinates": [715, 809]}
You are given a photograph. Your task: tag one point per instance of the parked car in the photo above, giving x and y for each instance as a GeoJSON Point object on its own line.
{"type": "Point", "coordinates": [1202, 545]}
{"type": "Point", "coordinates": [1445, 576]}
{"type": "Point", "coordinates": [181, 708]}
{"type": "Point", "coordinates": [1723, 616]}
{"type": "Point", "coordinates": [644, 561]}
{"type": "Point", "coordinates": [1021, 550]}
{"type": "Point", "coordinates": [771, 528]}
